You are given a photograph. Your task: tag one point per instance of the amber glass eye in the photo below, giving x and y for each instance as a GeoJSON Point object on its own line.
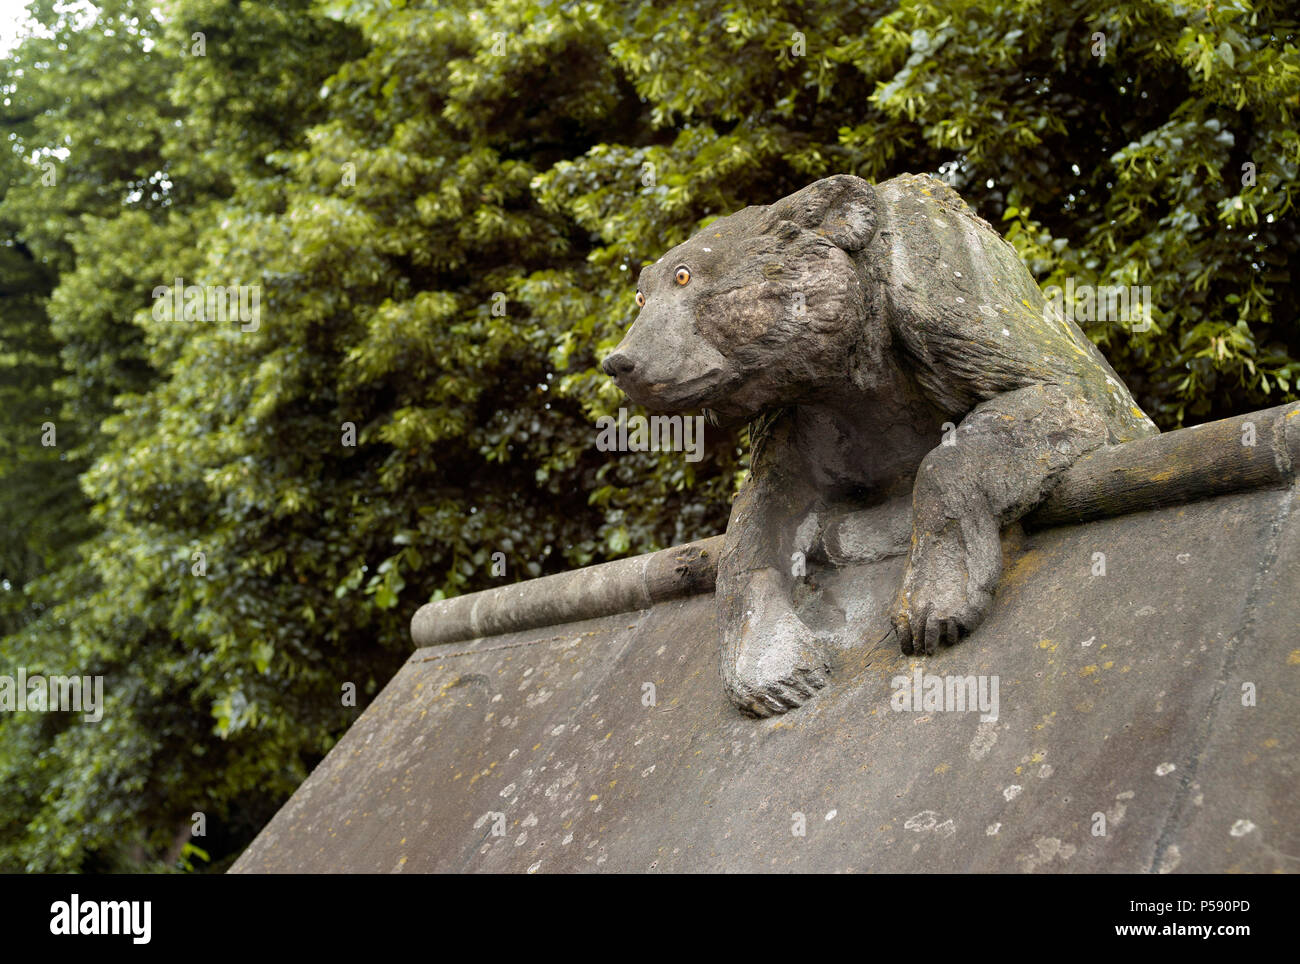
{"type": "Point", "coordinates": [640, 300]}
{"type": "Point", "coordinates": [683, 275]}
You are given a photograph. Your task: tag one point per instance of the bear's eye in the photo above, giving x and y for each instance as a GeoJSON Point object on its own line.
{"type": "Point", "coordinates": [683, 275]}
{"type": "Point", "coordinates": [640, 300]}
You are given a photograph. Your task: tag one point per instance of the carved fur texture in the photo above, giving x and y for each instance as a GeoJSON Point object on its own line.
{"type": "Point", "coordinates": [858, 321]}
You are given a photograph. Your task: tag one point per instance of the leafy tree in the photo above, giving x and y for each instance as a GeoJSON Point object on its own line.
{"type": "Point", "coordinates": [108, 199]}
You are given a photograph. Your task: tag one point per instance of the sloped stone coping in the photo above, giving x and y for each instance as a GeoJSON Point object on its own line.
{"type": "Point", "coordinates": [1249, 451]}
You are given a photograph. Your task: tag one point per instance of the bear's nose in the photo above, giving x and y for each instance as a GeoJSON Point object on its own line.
{"type": "Point", "coordinates": [617, 364]}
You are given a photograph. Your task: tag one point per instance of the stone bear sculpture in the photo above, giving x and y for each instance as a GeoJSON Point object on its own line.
{"type": "Point", "coordinates": [896, 348]}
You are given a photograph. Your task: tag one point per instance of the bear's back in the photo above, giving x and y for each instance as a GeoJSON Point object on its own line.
{"type": "Point", "coordinates": [969, 313]}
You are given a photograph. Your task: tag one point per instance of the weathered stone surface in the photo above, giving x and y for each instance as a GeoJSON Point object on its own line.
{"type": "Point", "coordinates": [1119, 694]}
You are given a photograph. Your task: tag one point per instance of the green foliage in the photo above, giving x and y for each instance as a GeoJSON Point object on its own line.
{"type": "Point", "coordinates": [445, 209]}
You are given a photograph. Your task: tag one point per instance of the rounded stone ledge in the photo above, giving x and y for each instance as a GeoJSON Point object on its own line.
{"type": "Point", "coordinates": [623, 585]}
{"type": "Point", "coordinates": [1250, 451]}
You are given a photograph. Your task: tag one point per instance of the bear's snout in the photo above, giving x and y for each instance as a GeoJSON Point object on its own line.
{"type": "Point", "coordinates": [616, 364]}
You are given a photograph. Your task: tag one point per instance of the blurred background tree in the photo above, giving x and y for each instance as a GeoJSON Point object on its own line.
{"type": "Point", "coordinates": [446, 206]}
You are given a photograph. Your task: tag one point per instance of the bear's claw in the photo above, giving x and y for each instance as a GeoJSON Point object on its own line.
{"type": "Point", "coordinates": [756, 684]}
{"type": "Point", "coordinates": [947, 588]}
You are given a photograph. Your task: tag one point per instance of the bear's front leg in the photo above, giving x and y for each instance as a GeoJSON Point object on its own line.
{"type": "Point", "coordinates": [771, 661]}
{"type": "Point", "coordinates": [998, 465]}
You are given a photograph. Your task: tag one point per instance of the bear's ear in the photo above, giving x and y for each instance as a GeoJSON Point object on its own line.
{"type": "Point", "coordinates": [841, 208]}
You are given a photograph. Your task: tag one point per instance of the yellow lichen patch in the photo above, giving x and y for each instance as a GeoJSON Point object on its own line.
{"type": "Point", "coordinates": [612, 784]}
{"type": "Point", "coordinates": [941, 768]}
{"type": "Point", "coordinates": [1108, 664]}
{"type": "Point", "coordinates": [1294, 658]}
{"type": "Point", "coordinates": [1048, 645]}
{"type": "Point", "coordinates": [1087, 670]}
{"type": "Point", "coordinates": [1270, 743]}
{"type": "Point", "coordinates": [1023, 568]}
{"type": "Point", "coordinates": [593, 798]}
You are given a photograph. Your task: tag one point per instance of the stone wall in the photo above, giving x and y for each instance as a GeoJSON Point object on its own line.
{"type": "Point", "coordinates": [1146, 717]}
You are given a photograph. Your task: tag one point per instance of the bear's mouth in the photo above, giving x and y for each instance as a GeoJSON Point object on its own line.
{"type": "Point", "coordinates": [693, 393]}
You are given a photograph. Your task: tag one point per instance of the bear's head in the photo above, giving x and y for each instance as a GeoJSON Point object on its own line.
{"type": "Point", "coordinates": [759, 309]}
